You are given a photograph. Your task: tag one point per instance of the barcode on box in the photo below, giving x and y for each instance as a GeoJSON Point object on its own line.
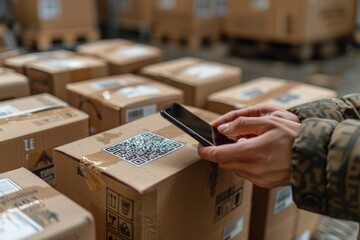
{"type": "Point", "coordinates": [234, 228]}
{"type": "Point", "coordinates": [8, 111]}
{"type": "Point", "coordinates": [7, 186]}
{"type": "Point", "coordinates": [283, 199]}
{"type": "Point", "coordinates": [143, 148]}
{"type": "Point", "coordinates": [140, 112]}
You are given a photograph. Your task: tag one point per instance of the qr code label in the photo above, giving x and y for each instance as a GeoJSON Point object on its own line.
{"type": "Point", "coordinates": [143, 148]}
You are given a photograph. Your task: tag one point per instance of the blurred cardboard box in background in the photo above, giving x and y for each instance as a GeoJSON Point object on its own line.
{"type": "Point", "coordinates": [116, 100]}
{"type": "Point", "coordinates": [31, 209]}
{"type": "Point", "coordinates": [31, 127]}
{"type": "Point", "coordinates": [13, 85]}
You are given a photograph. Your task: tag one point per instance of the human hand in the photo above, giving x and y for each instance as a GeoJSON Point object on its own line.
{"type": "Point", "coordinates": [258, 110]}
{"type": "Point", "coordinates": [264, 159]}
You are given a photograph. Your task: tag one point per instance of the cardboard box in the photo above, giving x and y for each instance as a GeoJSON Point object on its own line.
{"type": "Point", "coordinates": [130, 14]}
{"type": "Point", "coordinates": [158, 189]}
{"type": "Point", "coordinates": [195, 77]}
{"type": "Point", "coordinates": [307, 224]}
{"type": "Point", "coordinates": [113, 101]}
{"type": "Point", "coordinates": [51, 75]}
{"type": "Point", "coordinates": [278, 92]}
{"type": "Point", "coordinates": [122, 56]}
{"type": "Point", "coordinates": [31, 209]}
{"type": "Point", "coordinates": [13, 85]}
{"type": "Point", "coordinates": [19, 63]}
{"type": "Point", "coordinates": [6, 53]}
{"type": "Point", "coordinates": [293, 22]}
{"type": "Point", "coordinates": [55, 14]}
{"type": "Point", "coordinates": [273, 214]}
{"type": "Point", "coordinates": [31, 127]}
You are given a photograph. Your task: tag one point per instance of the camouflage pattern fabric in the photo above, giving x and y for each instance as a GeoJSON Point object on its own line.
{"type": "Point", "coordinates": [326, 158]}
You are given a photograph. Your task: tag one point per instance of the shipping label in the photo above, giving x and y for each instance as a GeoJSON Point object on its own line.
{"type": "Point", "coordinates": [137, 50]}
{"type": "Point", "coordinates": [7, 186]}
{"type": "Point", "coordinates": [252, 93]}
{"type": "Point", "coordinates": [138, 91]}
{"type": "Point", "coordinates": [304, 236]}
{"type": "Point", "coordinates": [260, 5]}
{"type": "Point", "coordinates": [8, 111]}
{"type": "Point", "coordinates": [108, 84]}
{"type": "Point", "coordinates": [203, 71]}
{"type": "Point", "coordinates": [204, 8]}
{"type": "Point", "coordinates": [221, 8]}
{"type": "Point", "coordinates": [283, 199]}
{"type": "Point", "coordinates": [140, 112]}
{"type": "Point", "coordinates": [49, 9]}
{"type": "Point", "coordinates": [64, 63]}
{"type": "Point", "coordinates": [234, 228]}
{"type": "Point", "coordinates": [166, 4]}
{"type": "Point", "coordinates": [287, 98]}
{"type": "Point", "coordinates": [143, 148]}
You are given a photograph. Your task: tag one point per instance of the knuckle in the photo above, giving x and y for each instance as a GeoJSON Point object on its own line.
{"type": "Point", "coordinates": [215, 156]}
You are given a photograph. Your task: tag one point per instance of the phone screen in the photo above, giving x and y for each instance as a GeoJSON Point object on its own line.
{"type": "Point", "coordinates": [193, 125]}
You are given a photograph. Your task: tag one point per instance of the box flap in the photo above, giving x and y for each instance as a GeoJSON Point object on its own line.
{"type": "Point", "coordinates": [93, 156]}
{"type": "Point", "coordinates": [11, 78]}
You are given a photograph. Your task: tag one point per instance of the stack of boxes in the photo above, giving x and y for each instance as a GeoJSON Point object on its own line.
{"type": "Point", "coordinates": [12, 85]}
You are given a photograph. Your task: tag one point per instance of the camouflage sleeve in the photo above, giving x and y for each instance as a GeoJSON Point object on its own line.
{"type": "Point", "coordinates": [326, 168]}
{"type": "Point", "coordinates": [335, 108]}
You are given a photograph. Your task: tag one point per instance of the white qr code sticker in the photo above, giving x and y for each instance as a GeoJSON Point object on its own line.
{"type": "Point", "coordinates": [234, 228]}
{"type": "Point", "coordinates": [143, 148]}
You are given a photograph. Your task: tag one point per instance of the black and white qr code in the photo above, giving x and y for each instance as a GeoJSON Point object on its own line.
{"type": "Point", "coordinates": [143, 148]}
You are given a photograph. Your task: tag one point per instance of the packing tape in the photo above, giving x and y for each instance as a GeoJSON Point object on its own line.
{"type": "Point", "coordinates": [26, 198]}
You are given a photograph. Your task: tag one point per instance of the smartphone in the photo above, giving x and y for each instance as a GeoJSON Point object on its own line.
{"type": "Point", "coordinates": [196, 127]}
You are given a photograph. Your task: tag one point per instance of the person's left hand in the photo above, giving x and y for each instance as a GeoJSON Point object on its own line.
{"type": "Point", "coordinates": [264, 159]}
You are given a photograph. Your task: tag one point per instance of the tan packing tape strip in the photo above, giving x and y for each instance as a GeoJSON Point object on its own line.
{"type": "Point", "coordinates": [93, 165]}
{"type": "Point", "coordinates": [36, 193]}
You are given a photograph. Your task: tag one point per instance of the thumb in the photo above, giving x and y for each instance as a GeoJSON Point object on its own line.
{"type": "Point", "coordinates": [246, 126]}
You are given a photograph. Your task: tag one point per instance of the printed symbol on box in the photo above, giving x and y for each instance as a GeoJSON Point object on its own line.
{"type": "Point", "coordinates": [112, 200]}
{"type": "Point", "coordinates": [112, 220]}
{"type": "Point", "coordinates": [125, 229]}
{"type": "Point", "coordinates": [112, 236]}
{"type": "Point", "coordinates": [126, 207]}
{"type": "Point", "coordinates": [236, 199]}
{"type": "Point", "coordinates": [43, 161]}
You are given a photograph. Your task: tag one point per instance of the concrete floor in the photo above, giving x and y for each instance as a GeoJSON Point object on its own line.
{"type": "Point", "coordinates": [341, 74]}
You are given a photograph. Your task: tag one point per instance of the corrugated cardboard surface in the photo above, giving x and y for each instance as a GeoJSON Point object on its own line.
{"type": "Point", "coordinates": [116, 100]}
{"type": "Point", "coordinates": [278, 92]}
{"type": "Point", "coordinates": [58, 14]}
{"type": "Point", "coordinates": [294, 22]}
{"type": "Point", "coordinates": [121, 55]}
{"type": "Point", "coordinates": [31, 127]}
{"type": "Point", "coordinates": [51, 75]}
{"type": "Point", "coordinates": [195, 77]}
{"type": "Point", "coordinates": [176, 196]}
{"type": "Point", "coordinates": [13, 85]}
{"type": "Point", "coordinates": [19, 63]}
{"type": "Point", "coordinates": [306, 223]}
{"type": "Point", "coordinates": [31, 209]}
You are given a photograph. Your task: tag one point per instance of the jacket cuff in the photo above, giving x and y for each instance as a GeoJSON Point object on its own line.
{"type": "Point", "coordinates": [309, 164]}
{"type": "Point", "coordinates": [332, 108]}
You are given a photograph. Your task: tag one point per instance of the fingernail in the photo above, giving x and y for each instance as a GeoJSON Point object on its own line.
{"type": "Point", "coordinates": [223, 127]}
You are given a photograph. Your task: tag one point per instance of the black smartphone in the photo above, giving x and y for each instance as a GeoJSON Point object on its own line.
{"type": "Point", "coordinates": [196, 127]}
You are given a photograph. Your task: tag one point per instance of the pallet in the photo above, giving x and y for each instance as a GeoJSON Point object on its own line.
{"type": "Point", "coordinates": [43, 39]}
{"type": "Point", "coordinates": [185, 37]}
{"type": "Point", "coordinates": [283, 51]}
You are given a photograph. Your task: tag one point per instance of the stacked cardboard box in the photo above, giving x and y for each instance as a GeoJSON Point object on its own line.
{"type": "Point", "coordinates": [293, 22]}
{"type": "Point", "coordinates": [116, 100]}
{"type": "Point", "coordinates": [129, 14]}
{"type": "Point", "coordinates": [43, 21]}
{"type": "Point", "coordinates": [144, 180]}
{"type": "Point", "coordinates": [31, 209]}
{"type": "Point", "coordinates": [13, 85]}
{"type": "Point", "coordinates": [19, 63]}
{"type": "Point", "coordinates": [6, 53]}
{"type": "Point", "coordinates": [31, 127]}
{"type": "Point", "coordinates": [278, 92]}
{"type": "Point", "coordinates": [121, 55]}
{"type": "Point", "coordinates": [195, 77]}
{"type": "Point", "coordinates": [307, 224]}
{"type": "Point", "coordinates": [191, 20]}
{"type": "Point", "coordinates": [51, 75]}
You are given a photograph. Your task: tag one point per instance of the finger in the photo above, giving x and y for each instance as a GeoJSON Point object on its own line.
{"type": "Point", "coordinates": [255, 111]}
{"type": "Point", "coordinates": [285, 115]}
{"type": "Point", "coordinates": [246, 125]}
